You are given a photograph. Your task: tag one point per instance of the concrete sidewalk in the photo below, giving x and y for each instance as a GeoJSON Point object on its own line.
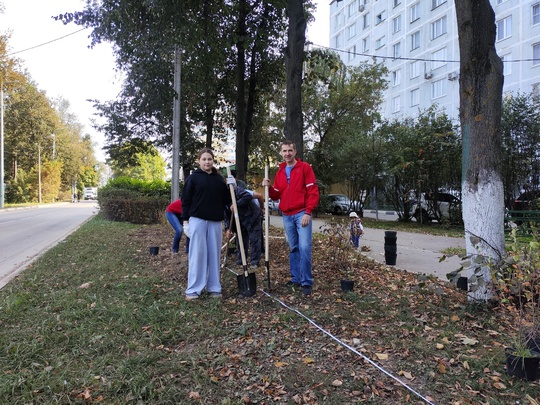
{"type": "Point", "coordinates": [418, 253]}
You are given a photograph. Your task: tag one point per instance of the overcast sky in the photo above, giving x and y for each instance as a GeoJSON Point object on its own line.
{"type": "Point", "coordinates": [60, 62]}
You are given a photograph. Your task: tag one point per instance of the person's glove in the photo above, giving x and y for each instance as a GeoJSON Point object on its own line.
{"type": "Point", "coordinates": [186, 231]}
{"type": "Point", "coordinates": [231, 180]}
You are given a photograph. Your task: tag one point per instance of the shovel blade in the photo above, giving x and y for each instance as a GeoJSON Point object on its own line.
{"type": "Point", "coordinates": [247, 284]}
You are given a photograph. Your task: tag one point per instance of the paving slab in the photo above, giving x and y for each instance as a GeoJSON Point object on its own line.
{"type": "Point", "coordinates": [418, 253]}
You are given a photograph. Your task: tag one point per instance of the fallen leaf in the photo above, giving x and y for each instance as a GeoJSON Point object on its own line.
{"type": "Point", "coordinates": [441, 368]}
{"type": "Point", "coordinates": [499, 386]}
{"type": "Point", "coordinates": [531, 400]}
{"type": "Point", "coordinates": [440, 346]}
{"type": "Point", "coordinates": [406, 374]}
{"type": "Point", "coordinates": [382, 356]}
{"type": "Point", "coordinates": [308, 360]}
{"type": "Point", "coordinates": [468, 341]}
{"type": "Point", "coordinates": [337, 383]}
{"type": "Point", "coordinates": [194, 395]}
{"type": "Point", "coordinates": [85, 285]}
{"type": "Point", "coordinates": [279, 364]}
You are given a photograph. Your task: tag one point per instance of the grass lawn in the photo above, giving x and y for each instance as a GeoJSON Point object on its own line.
{"type": "Point", "coordinates": [98, 320]}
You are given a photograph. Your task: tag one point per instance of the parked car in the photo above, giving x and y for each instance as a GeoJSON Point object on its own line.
{"type": "Point", "coordinates": [90, 193]}
{"type": "Point", "coordinates": [526, 201]}
{"type": "Point", "coordinates": [339, 204]}
{"type": "Point", "coordinates": [273, 206]}
{"type": "Point", "coordinates": [433, 206]}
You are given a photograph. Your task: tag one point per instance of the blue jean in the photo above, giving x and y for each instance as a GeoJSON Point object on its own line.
{"type": "Point", "coordinates": [175, 222]}
{"type": "Point", "coordinates": [299, 238]}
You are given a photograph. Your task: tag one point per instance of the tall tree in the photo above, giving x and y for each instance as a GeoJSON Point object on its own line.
{"type": "Point", "coordinates": [521, 137]}
{"type": "Point", "coordinates": [294, 56]}
{"type": "Point", "coordinates": [230, 50]}
{"type": "Point", "coordinates": [481, 83]}
{"type": "Point", "coordinates": [340, 106]}
{"type": "Point", "coordinates": [422, 154]}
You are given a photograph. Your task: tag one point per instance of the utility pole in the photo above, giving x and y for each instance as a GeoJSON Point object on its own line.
{"type": "Point", "coordinates": [2, 188]}
{"type": "Point", "coordinates": [39, 173]}
{"type": "Point", "coordinates": [175, 189]}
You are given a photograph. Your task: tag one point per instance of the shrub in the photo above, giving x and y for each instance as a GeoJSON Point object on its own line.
{"type": "Point", "coordinates": [136, 201]}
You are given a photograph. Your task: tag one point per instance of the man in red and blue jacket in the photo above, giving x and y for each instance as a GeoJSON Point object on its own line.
{"type": "Point", "coordinates": [296, 187]}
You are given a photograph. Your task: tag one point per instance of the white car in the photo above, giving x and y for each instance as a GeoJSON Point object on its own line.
{"type": "Point", "coordinates": [429, 208]}
{"type": "Point", "coordinates": [273, 206]}
{"type": "Point", "coordinates": [90, 193]}
{"type": "Point", "coordinates": [339, 204]}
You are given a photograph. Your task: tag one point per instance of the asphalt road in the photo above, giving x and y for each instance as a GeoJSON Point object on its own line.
{"type": "Point", "coordinates": [416, 253]}
{"type": "Point", "coordinates": [26, 233]}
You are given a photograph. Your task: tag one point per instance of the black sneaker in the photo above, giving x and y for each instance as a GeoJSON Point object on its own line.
{"type": "Point", "coordinates": [306, 289]}
{"type": "Point", "coordinates": [292, 284]}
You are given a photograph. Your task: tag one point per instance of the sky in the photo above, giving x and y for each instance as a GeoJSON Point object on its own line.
{"type": "Point", "coordinates": [61, 63]}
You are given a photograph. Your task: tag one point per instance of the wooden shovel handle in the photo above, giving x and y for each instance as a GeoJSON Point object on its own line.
{"type": "Point", "coordinates": [237, 222]}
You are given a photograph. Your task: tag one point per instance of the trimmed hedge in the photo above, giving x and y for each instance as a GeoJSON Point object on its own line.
{"type": "Point", "coordinates": [132, 200]}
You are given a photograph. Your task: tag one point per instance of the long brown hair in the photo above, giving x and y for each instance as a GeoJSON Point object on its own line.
{"type": "Point", "coordinates": [211, 153]}
{"type": "Point", "coordinates": [206, 150]}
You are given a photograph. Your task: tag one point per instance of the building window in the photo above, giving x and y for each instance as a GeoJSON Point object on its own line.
{"type": "Point", "coordinates": [339, 40]}
{"type": "Point", "coordinates": [415, 97]}
{"type": "Point", "coordinates": [351, 10]}
{"type": "Point", "coordinates": [351, 53]}
{"type": "Point", "coordinates": [396, 104]}
{"type": "Point", "coordinates": [396, 24]}
{"type": "Point", "coordinates": [436, 3]}
{"type": "Point", "coordinates": [397, 3]}
{"type": "Point", "coordinates": [351, 31]}
{"type": "Point", "coordinates": [536, 54]}
{"type": "Point", "coordinates": [415, 69]}
{"type": "Point", "coordinates": [365, 44]}
{"type": "Point", "coordinates": [438, 89]}
{"type": "Point", "coordinates": [380, 42]}
{"type": "Point", "coordinates": [438, 27]}
{"type": "Point", "coordinates": [396, 77]}
{"type": "Point", "coordinates": [396, 50]}
{"type": "Point", "coordinates": [507, 64]}
{"type": "Point", "coordinates": [415, 12]}
{"type": "Point", "coordinates": [415, 40]}
{"type": "Point", "coordinates": [340, 20]}
{"type": "Point", "coordinates": [504, 28]}
{"type": "Point", "coordinates": [438, 58]}
{"type": "Point", "coordinates": [365, 21]}
{"type": "Point", "coordinates": [536, 14]}
{"type": "Point", "coordinates": [380, 17]}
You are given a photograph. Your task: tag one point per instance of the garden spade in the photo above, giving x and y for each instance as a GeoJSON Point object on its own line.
{"type": "Point", "coordinates": [247, 283]}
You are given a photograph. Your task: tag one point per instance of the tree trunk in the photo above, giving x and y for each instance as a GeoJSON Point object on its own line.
{"type": "Point", "coordinates": [481, 82]}
{"type": "Point", "coordinates": [294, 57]}
{"type": "Point", "coordinates": [240, 97]}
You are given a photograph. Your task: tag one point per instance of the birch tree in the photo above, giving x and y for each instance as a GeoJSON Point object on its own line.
{"type": "Point", "coordinates": [481, 83]}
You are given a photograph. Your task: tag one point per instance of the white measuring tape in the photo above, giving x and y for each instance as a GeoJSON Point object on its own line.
{"type": "Point", "coordinates": [352, 349]}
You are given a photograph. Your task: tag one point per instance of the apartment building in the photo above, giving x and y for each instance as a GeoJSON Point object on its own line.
{"type": "Point", "coordinates": [418, 42]}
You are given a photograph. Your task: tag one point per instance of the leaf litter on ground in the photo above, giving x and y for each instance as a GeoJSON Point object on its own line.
{"type": "Point", "coordinates": [259, 350]}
